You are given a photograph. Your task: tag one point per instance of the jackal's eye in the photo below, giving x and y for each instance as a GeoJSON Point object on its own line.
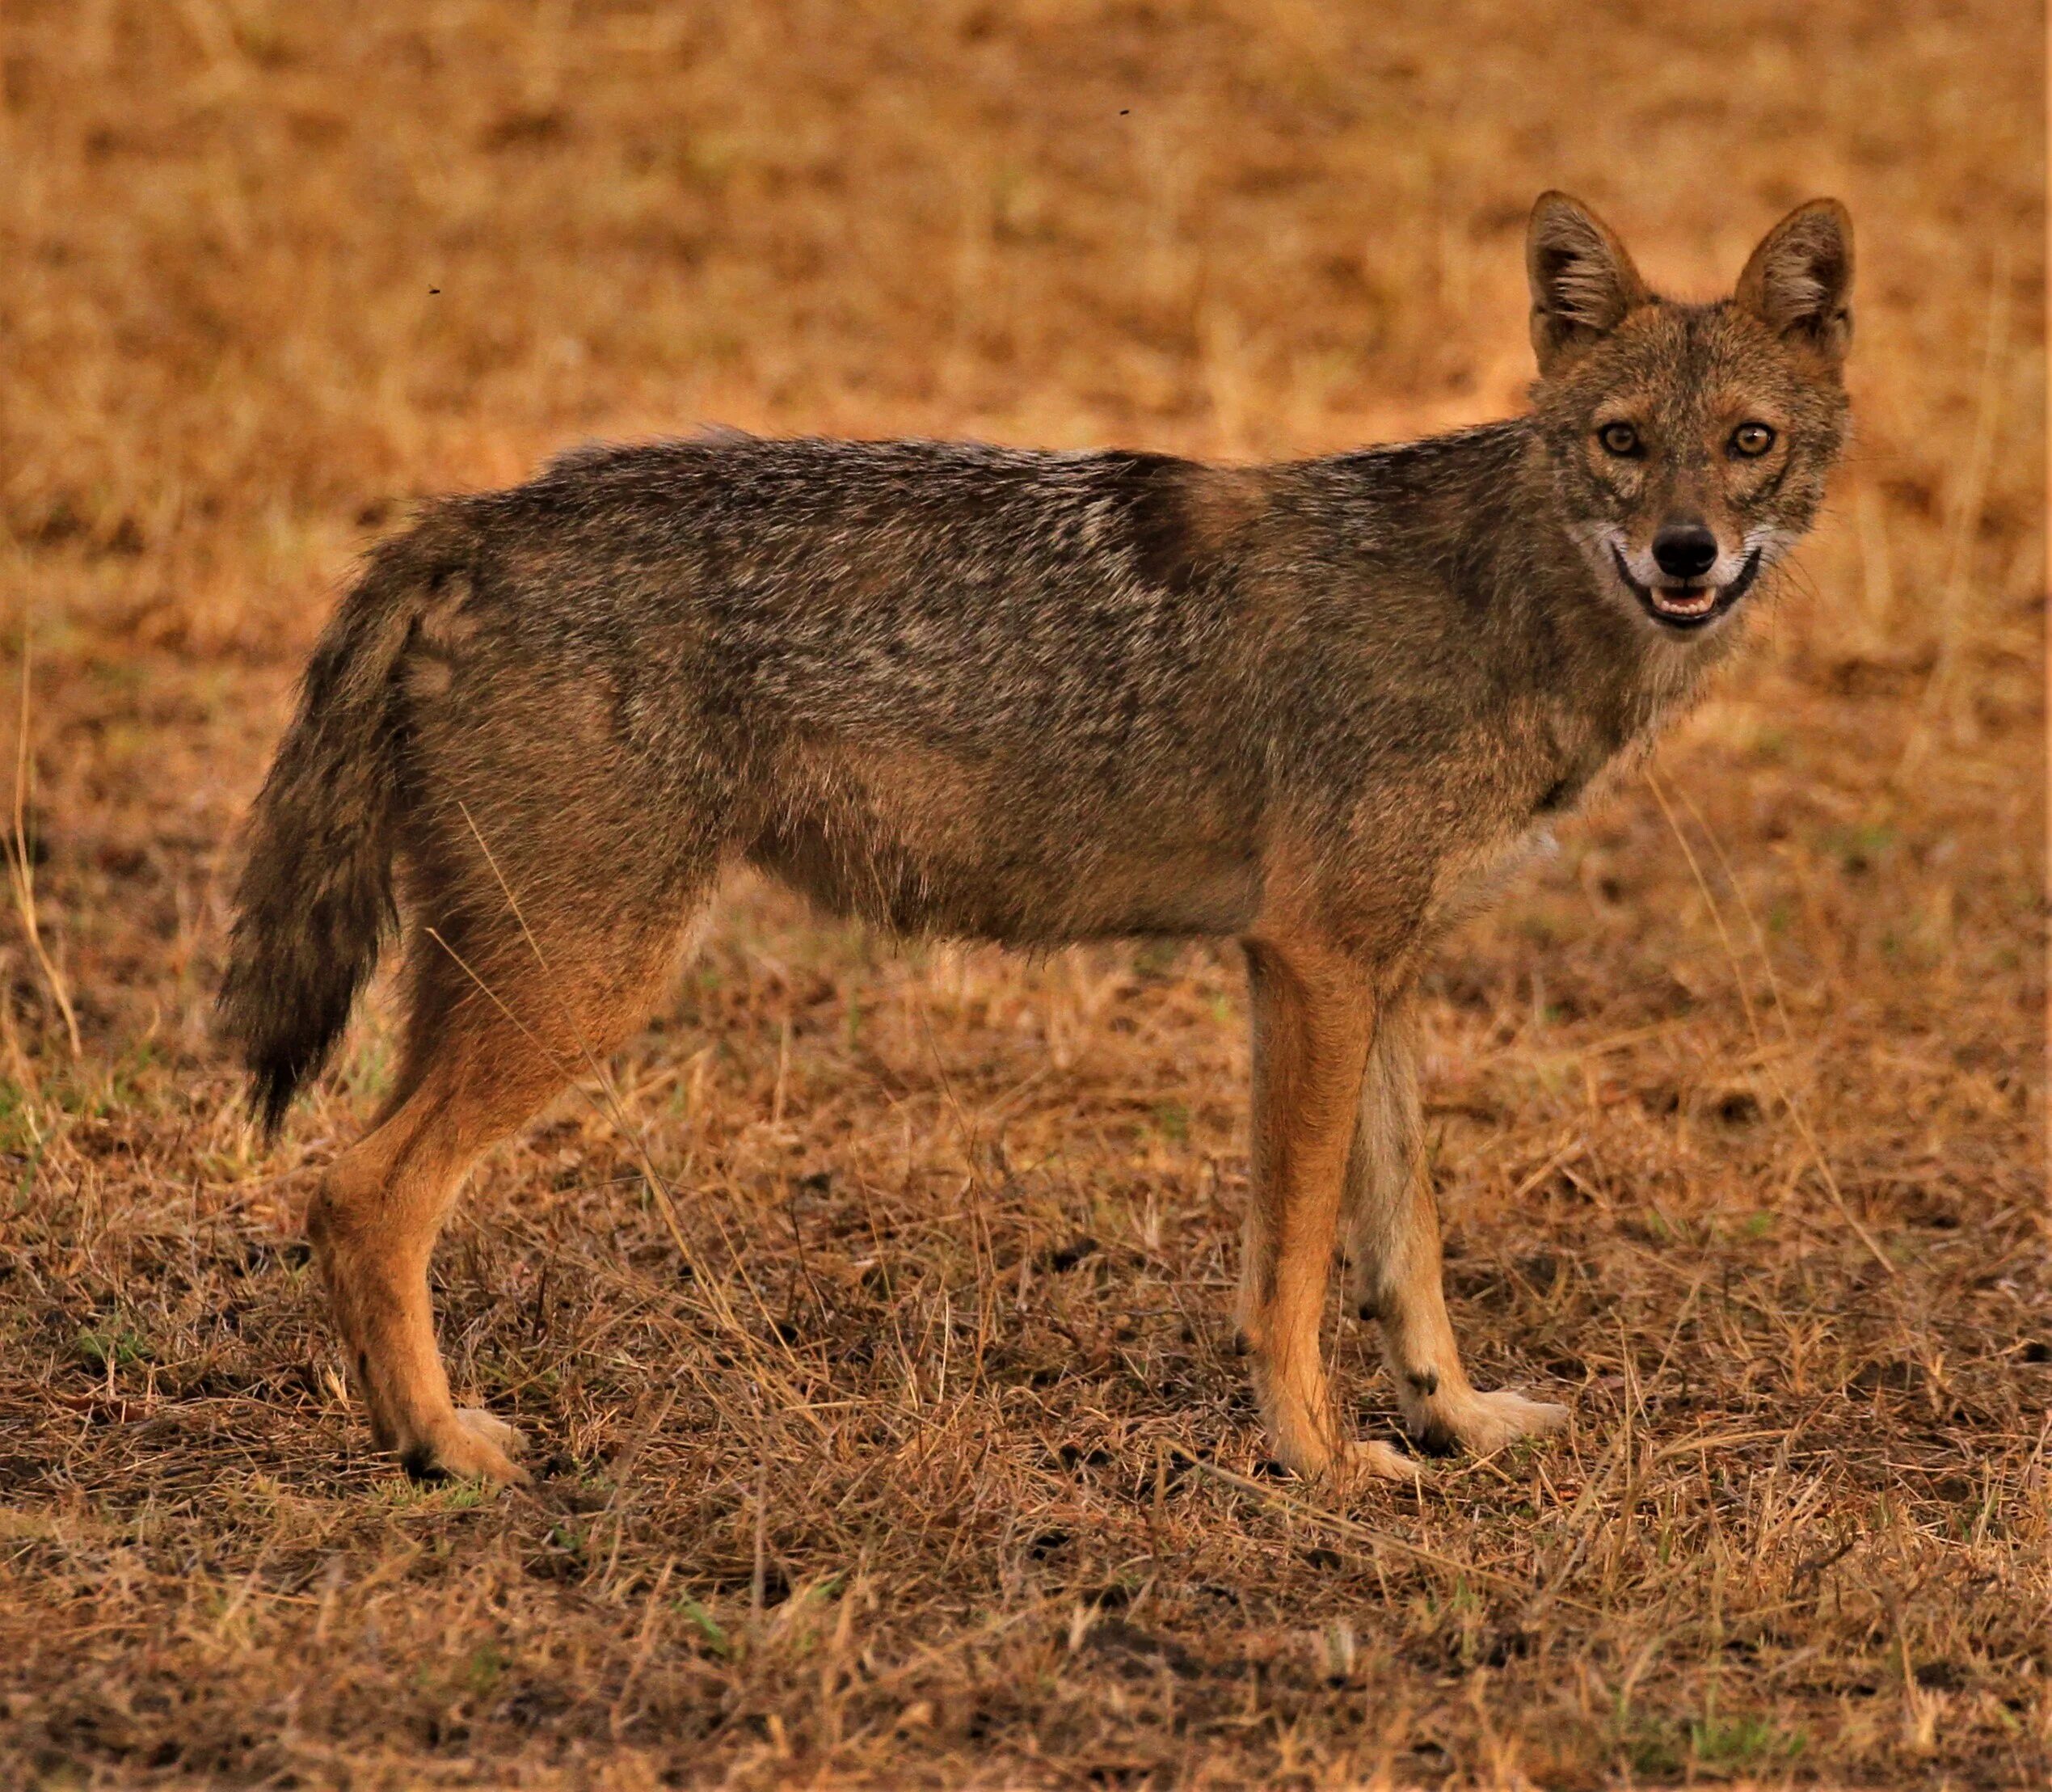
{"type": "Point", "coordinates": [1750, 440]}
{"type": "Point", "coordinates": [1619, 438]}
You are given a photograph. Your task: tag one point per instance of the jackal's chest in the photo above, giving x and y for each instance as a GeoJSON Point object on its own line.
{"type": "Point", "coordinates": [1474, 878]}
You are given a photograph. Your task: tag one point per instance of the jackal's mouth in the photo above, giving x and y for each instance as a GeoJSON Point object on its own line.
{"type": "Point", "coordinates": [1684, 607]}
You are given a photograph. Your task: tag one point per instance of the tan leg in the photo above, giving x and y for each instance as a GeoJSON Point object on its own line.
{"type": "Point", "coordinates": [1394, 1254]}
{"type": "Point", "coordinates": [472, 1073]}
{"type": "Point", "coordinates": [1312, 1016]}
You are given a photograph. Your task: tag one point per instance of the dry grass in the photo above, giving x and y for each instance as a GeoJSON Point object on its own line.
{"type": "Point", "coordinates": [906, 1451]}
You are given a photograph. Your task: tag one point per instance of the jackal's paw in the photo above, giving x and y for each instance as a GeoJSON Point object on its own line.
{"type": "Point", "coordinates": [1345, 1469]}
{"type": "Point", "coordinates": [476, 1446]}
{"type": "Point", "coordinates": [1359, 1463]}
{"type": "Point", "coordinates": [507, 1439]}
{"type": "Point", "coordinates": [1482, 1423]}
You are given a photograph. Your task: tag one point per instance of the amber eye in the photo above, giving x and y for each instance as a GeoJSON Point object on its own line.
{"type": "Point", "coordinates": [1619, 438]}
{"type": "Point", "coordinates": [1751, 440]}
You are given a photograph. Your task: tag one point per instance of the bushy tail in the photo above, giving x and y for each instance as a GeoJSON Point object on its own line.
{"type": "Point", "coordinates": [314, 904]}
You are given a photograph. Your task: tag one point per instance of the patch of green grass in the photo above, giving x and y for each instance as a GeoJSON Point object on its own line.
{"type": "Point", "coordinates": [1713, 1744]}
{"type": "Point", "coordinates": [708, 1626]}
{"type": "Point", "coordinates": [18, 1133]}
{"type": "Point", "coordinates": [484, 1670]}
{"type": "Point", "coordinates": [1735, 1743]}
{"type": "Point", "coordinates": [404, 1494]}
{"type": "Point", "coordinates": [119, 1345]}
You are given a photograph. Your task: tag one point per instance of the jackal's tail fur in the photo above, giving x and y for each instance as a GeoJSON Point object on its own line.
{"type": "Point", "coordinates": [314, 904]}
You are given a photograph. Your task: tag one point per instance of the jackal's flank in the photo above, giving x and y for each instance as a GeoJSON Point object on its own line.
{"type": "Point", "coordinates": [1033, 698]}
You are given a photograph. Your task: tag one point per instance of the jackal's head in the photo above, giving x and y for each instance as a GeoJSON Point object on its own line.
{"type": "Point", "coordinates": [1689, 442]}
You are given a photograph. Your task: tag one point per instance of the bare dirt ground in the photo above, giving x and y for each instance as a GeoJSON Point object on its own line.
{"type": "Point", "coordinates": [889, 1433]}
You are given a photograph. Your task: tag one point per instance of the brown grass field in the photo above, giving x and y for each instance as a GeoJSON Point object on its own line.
{"type": "Point", "coordinates": [889, 1432]}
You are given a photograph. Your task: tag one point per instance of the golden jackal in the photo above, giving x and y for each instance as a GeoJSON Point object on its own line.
{"type": "Point", "coordinates": [1029, 697]}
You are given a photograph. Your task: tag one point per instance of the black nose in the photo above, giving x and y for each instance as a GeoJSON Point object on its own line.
{"type": "Point", "coordinates": [1685, 550]}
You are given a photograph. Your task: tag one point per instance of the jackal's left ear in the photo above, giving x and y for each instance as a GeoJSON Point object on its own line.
{"type": "Point", "coordinates": [1582, 281]}
{"type": "Point", "coordinates": [1799, 282]}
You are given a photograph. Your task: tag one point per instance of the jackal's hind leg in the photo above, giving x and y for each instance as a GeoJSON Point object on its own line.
{"type": "Point", "coordinates": [491, 1039]}
{"type": "Point", "coordinates": [1393, 1241]}
{"type": "Point", "coordinates": [373, 1225]}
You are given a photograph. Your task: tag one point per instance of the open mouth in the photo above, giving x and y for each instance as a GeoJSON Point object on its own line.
{"type": "Point", "coordinates": [1683, 607]}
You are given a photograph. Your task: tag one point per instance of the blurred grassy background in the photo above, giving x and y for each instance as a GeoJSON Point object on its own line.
{"type": "Point", "coordinates": [270, 264]}
{"type": "Point", "coordinates": [270, 271]}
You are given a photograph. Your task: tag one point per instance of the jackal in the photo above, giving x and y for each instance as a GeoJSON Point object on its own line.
{"type": "Point", "coordinates": [1029, 698]}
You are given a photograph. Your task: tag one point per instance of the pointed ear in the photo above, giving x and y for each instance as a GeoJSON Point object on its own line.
{"type": "Point", "coordinates": [1582, 281]}
{"type": "Point", "coordinates": [1799, 282]}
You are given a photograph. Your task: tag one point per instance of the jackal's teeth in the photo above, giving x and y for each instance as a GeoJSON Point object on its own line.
{"type": "Point", "coordinates": [1675, 603]}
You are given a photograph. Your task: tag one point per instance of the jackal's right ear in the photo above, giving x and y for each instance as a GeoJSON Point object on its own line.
{"type": "Point", "coordinates": [1582, 281]}
{"type": "Point", "coordinates": [1799, 282]}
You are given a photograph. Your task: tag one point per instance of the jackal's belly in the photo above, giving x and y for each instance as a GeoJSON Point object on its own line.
{"type": "Point", "coordinates": [1017, 893]}
{"type": "Point", "coordinates": [923, 848]}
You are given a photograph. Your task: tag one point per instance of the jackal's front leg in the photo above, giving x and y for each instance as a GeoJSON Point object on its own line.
{"type": "Point", "coordinates": [1393, 1241]}
{"type": "Point", "coordinates": [1313, 1020]}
